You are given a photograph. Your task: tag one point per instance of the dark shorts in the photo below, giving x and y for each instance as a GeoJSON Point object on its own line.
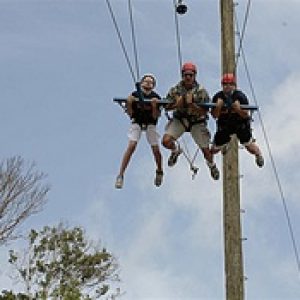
{"type": "Point", "coordinates": [224, 132]}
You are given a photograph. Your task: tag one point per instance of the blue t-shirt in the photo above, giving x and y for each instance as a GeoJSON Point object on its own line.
{"type": "Point", "coordinates": [226, 114]}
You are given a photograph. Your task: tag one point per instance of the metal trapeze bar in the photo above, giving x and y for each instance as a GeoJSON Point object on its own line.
{"type": "Point", "coordinates": [166, 101]}
{"type": "Point", "coordinates": [243, 106]}
{"type": "Point", "coordinates": [124, 100]}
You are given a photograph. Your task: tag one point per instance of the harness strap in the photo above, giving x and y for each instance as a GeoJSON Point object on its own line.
{"type": "Point", "coordinates": [191, 123]}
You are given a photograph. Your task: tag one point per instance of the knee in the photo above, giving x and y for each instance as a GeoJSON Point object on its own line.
{"type": "Point", "coordinates": [252, 148]}
{"type": "Point", "coordinates": [167, 141]}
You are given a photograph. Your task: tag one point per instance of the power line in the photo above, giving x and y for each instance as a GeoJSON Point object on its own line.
{"type": "Point", "coordinates": [276, 173]}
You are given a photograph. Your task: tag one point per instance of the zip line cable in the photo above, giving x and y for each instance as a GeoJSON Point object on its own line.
{"type": "Point", "coordinates": [242, 35]}
{"type": "Point", "coordinates": [133, 37]}
{"type": "Point", "coordinates": [121, 41]}
{"type": "Point", "coordinates": [276, 173]}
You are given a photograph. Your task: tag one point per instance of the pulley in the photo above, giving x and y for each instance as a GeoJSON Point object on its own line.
{"type": "Point", "coordinates": [181, 8]}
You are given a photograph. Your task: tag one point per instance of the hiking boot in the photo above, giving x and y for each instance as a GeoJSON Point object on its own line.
{"type": "Point", "coordinates": [119, 182]}
{"type": "Point", "coordinates": [214, 172]}
{"type": "Point", "coordinates": [173, 157]}
{"type": "Point", "coordinates": [259, 160]}
{"type": "Point", "coordinates": [158, 178]}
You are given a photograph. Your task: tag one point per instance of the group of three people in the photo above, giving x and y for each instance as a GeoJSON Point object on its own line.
{"type": "Point", "coordinates": [187, 100]}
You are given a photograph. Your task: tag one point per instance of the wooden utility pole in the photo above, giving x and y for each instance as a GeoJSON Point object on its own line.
{"type": "Point", "coordinates": [231, 192]}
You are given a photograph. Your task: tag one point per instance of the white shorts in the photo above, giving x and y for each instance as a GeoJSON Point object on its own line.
{"type": "Point", "coordinates": [135, 132]}
{"type": "Point", "coordinates": [199, 132]}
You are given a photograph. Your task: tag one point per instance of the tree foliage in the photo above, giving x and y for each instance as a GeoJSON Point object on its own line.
{"type": "Point", "coordinates": [9, 295]}
{"type": "Point", "coordinates": [60, 263]}
{"type": "Point", "coordinates": [22, 194]}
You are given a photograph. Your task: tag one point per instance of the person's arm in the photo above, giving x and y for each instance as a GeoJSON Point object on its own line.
{"type": "Point", "coordinates": [193, 108]}
{"type": "Point", "coordinates": [176, 100]}
{"type": "Point", "coordinates": [130, 100]}
{"type": "Point", "coordinates": [154, 106]}
{"type": "Point", "coordinates": [236, 107]}
{"type": "Point", "coordinates": [216, 111]}
{"type": "Point", "coordinates": [239, 99]}
{"type": "Point", "coordinates": [195, 100]}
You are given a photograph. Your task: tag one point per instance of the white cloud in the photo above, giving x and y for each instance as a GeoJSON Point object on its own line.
{"type": "Point", "coordinates": [282, 119]}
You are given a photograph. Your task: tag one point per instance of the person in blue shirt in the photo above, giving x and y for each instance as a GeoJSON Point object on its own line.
{"type": "Point", "coordinates": [232, 119]}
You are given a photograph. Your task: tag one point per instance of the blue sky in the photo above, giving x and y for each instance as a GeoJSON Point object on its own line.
{"type": "Point", "coordinates": [60, 66]}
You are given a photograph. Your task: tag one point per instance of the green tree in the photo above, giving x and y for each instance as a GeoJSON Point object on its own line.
{"type": "Point", "coordinates": [59, 263]}
{"type": "Point", "coordinates": [9, 295]}
{"type": "Point", "coordinates": [22, 193]}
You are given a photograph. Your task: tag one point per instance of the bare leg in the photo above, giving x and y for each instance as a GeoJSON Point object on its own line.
{"type": "Point", "coordinates": [158, 160]}
{"type": "Point", "coordinates": [253, 148]}
{"type": "Point", "coordinates": [208, 155]}
{"type": "Point", "coordinates": [127, 156]}
{"type": "Point", "coordinates": [157, 157]}
{"type": "Point", "coordinates": [168, 142]}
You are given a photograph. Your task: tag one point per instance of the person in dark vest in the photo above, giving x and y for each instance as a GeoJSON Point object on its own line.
{"type": "Point", "coordinates": [144, 116]}
{"type": "Point", "coordinates": [232, 119]}
{"type": "Point", "coordinates": [189, 116]}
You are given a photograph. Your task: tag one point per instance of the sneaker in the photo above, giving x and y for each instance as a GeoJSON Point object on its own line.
{"type": "Point", "coordinates": [259, 160]}
{"type": "Point", "coordinates": [214, 172]}
{"type": "Point", "coordinates": [158, 178]}
{"type": "Point", "coordinates": [173, 157]}
{"type": "Point", "coordinates": [119, 182]}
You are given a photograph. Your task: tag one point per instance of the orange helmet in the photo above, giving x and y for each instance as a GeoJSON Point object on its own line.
{"type": "Point", "coordinates": [228, 78]}
{"type": "Point", "coordinates": [189, 66]}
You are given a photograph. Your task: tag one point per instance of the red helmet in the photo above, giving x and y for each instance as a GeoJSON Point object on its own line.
{"type": "Point", "coordinates": [189, 66]}
{"type": "Point", "coordinates": [228, 78]}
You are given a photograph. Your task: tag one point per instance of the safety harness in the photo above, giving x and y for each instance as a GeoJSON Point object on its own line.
{"type": "Point", "coordinates": [188, 121]}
